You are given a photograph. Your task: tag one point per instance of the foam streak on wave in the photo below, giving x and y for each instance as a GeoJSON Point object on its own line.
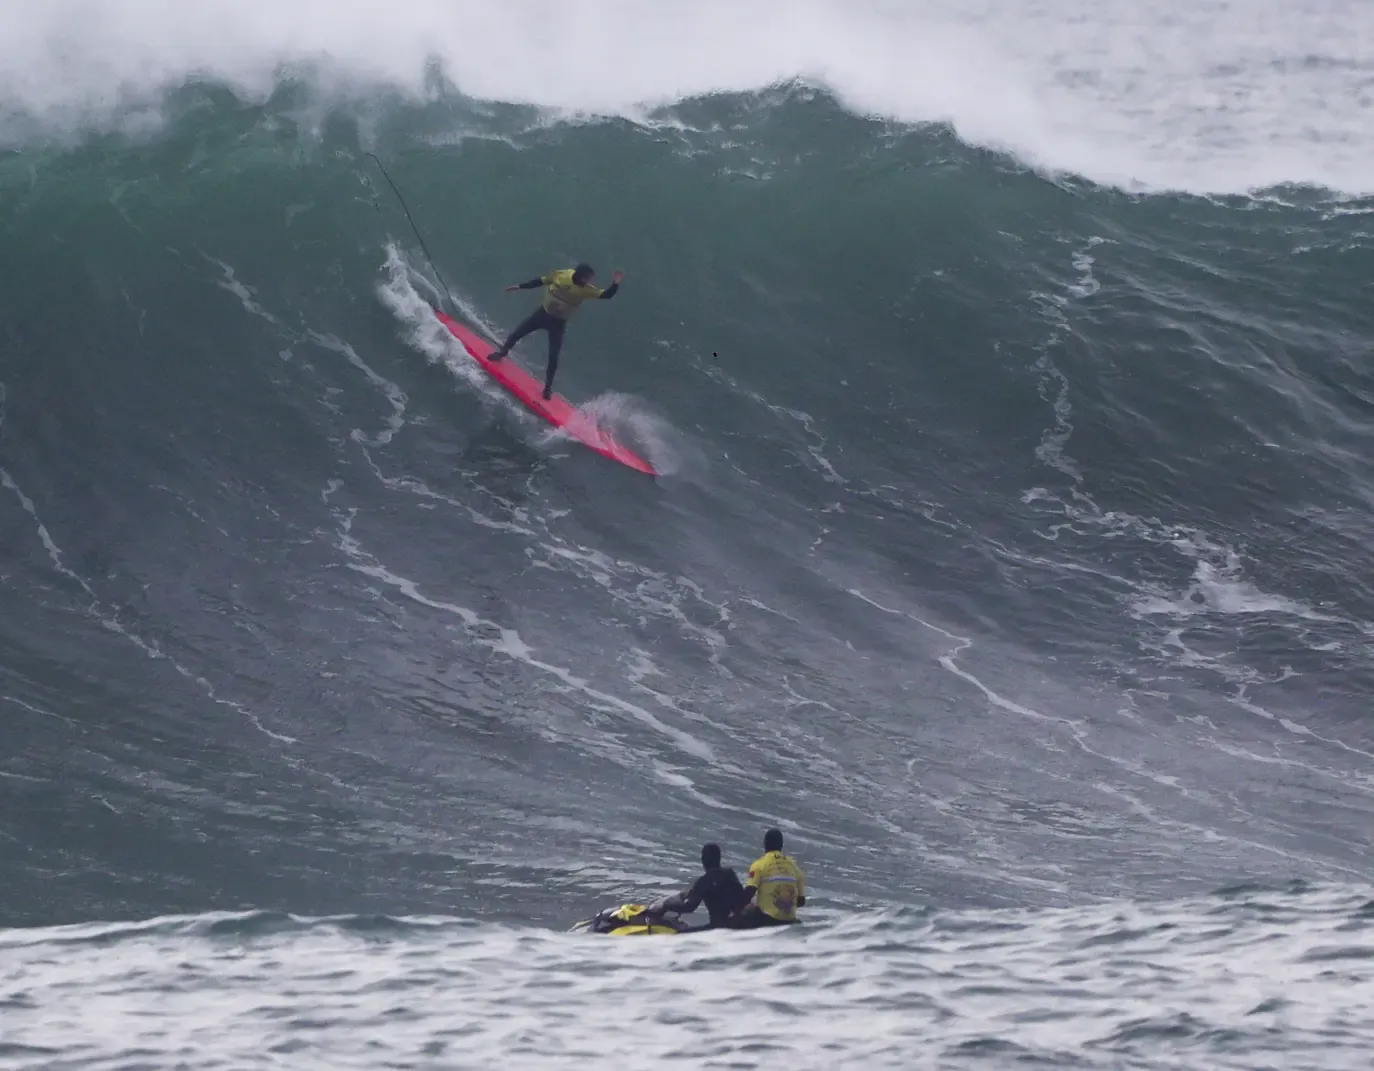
{"type": "Point", "coordinates": [508, 642]}
{"type": "Point", "coordinates": [109, 618]}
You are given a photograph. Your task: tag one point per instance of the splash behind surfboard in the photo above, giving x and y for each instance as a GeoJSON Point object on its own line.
{"type": "Point", "coordinates": [558, 411]}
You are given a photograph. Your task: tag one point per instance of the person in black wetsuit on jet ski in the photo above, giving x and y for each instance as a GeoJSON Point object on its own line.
{"type": "Point", "coordinates": [719, 888]}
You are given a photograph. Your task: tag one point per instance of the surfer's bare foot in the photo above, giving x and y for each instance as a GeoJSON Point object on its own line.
{"type": "Point", "coordinates": [496, 355]}
{"type": "Point", "coordinates": [548, 393]}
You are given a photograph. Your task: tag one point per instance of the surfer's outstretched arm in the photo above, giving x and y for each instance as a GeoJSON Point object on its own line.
{"type": "Point", "coordinates": [610, 291]}
{"type": "Point", "coordinates": [525, 286]}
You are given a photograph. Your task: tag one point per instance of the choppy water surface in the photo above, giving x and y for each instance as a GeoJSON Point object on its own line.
{"type": "Point", "coordinates": [1241, 979]}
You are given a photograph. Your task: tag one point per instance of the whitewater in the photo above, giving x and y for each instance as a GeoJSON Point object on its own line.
{"type": "Point", "coordinates": [1219, 97]}
{"type": "Point", "coordinates": [1207, 984]}
{"type": "Point", "coordinates": [1008, 371]}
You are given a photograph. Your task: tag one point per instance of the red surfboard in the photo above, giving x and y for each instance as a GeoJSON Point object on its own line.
{"type": "Point", "coordinates": [558, 411]}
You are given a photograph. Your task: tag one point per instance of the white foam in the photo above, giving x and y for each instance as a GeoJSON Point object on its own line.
{"type": "Point", "coordinates": [1212, 96]}
{"type": "Point", "coordinates": [648, 592]}
{"type": "Point", "coordinates": [815, 440]}
{"type": "Point", "coordinates": [1221, 590]}
{"type": "Point", "coordinates": [248, 297]}
{"type": "Point", "coordinates": [632, 422]}
{"type": "Point", "coordinates": [508, 642]}
{"type": "Point", "coordinates": [949, 662]}
{"type": "Point", "coordinates": [108, 618]}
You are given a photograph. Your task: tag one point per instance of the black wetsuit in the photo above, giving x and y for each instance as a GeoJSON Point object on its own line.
{"type": "Point", "coordinates": [719, 889]}
{"type": "Point", "coordinates": [543, 320]}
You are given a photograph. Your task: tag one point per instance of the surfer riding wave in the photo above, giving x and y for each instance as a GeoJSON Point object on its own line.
{"type": "Point", "coordinates": [564, 292]}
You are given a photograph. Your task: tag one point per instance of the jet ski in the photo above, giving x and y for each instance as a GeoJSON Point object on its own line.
{"type": "Point", "coordinates": [633, 920]}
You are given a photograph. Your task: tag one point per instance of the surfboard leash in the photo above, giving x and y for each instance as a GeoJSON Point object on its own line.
{"type": "Point", "coordinates": [452, 304]}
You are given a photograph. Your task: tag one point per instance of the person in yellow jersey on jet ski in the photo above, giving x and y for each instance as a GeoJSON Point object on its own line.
{"type": "Point", "coordinates": [564, 291]}
{"type": "Point", "coordinates": [774, 889]}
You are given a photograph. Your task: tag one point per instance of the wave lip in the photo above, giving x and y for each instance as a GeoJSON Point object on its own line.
{"type": "Point", "coordinates": [1138, 96]}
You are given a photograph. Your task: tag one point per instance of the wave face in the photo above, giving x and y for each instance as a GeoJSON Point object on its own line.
{"type": "Point", "coordinates": [1012, 552]}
